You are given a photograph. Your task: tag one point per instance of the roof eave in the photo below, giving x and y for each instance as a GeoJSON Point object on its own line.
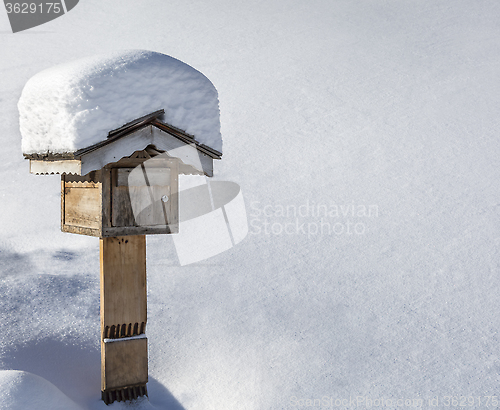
{"type": "Point", "coordinates": [133, 126]}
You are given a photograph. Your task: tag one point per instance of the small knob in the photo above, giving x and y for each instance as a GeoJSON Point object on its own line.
{"type": "Point", "coordinates": [164, 198]}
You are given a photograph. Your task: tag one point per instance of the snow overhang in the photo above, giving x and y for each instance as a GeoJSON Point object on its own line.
{"type": "Point", "coordinates": [134, 136]}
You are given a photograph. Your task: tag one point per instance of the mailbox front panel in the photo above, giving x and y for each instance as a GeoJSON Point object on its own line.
{"type": "Point", "coordinates": [141, 197]}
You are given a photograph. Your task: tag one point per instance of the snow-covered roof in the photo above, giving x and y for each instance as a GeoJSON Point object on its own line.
{"type": "Point", "coordinates": [73, 106]}
{"type": "Point", "coordinates": [138, 135]}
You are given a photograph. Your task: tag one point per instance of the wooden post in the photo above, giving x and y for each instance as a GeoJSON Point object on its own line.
{"type": "Point", "coordinates": [124, 352]}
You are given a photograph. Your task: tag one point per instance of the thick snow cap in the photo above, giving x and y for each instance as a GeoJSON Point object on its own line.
{"type": "Point", "coordinates": [75, 105]}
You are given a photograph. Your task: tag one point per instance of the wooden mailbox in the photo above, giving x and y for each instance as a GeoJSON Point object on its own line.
{"type": "Point", "coordinates": [123, 198]}
{"type": "Point", "coordinates": [121, 189]}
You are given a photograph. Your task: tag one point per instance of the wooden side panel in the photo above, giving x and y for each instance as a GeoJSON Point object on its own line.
{"type": "Point", "coordinates": [123, 281]}
{"type": "Point", "coordinates": [62, 203]}
{"type": "Point", "coordinates": [81, 202]}
{"type": "Point", "coordinates": [125, 363]}
{"type": "Point", "coordinates": [106, 197]}
{"type": "Point", "coordinates": [82, 205]}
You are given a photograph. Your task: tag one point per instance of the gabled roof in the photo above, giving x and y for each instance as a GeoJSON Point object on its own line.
{"type": "Point", "coordinates": [124, 141]}
{"type": "Point", "coordinates": [152, 119]}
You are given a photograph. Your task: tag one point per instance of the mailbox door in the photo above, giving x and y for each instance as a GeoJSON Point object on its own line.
{"type": "Point", "coordinates": [144, 196]}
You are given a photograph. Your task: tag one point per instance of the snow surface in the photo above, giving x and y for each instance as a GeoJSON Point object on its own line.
{"type": "Point", "coordinates": [392, 103]}
{"type": "Point", "coordinates": [75, 105]}
{"type": "Point", "coordinates": [22, 390]}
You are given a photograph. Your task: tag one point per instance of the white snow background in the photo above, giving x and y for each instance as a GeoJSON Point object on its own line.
{"type": "Point", "coordinates": [391, 104]}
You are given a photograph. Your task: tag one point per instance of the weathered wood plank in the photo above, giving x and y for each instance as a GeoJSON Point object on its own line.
{"type": "Point", "coordinates": [136, 230]}
{"type": "Point", "coordinates": [123, 280]}
{"type": "Point", "coordinates": [141, 196]}
{"type": "Point", "coordinates": [137, 122]}
{"type": "Point", "coordinates": [82, 205]}
{"type": "Point", "coordinates": [124, 363]}
{"type": "Point", "coordinates": [122, 213]}
{"type": "Point", "coordinates": [82, 184]}
{"type": "Point", "coordinates": [106, 198]}
{"type": "Point", "coordinates": [93, 177]}
{"type": "Point", "coordinates": [123, 311]}
{"type": "Point", "coordinates": [42, 167]}
{"type": "Point", "coordinates": [62, 202]}
{"type": "Point", "coordinates": [82, 231]}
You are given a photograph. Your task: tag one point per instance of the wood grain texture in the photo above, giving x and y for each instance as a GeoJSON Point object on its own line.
{"type": "Point", "coordinates": [123, 280]}
{"type": "Point", "coordinates": [123, 311]}
{"type": "Point", "coordinates": [81, 202]}
{"type": "Point", "coordinates": [122, 213]}
{"type": "Point", "coordinates": [82, 231]}
{"type": "Point", "coordinates": [137, 194]}
{"type": "Point", "coordinates": [82, 205]}
{"type": "Point", "coordinates": [124, 363]}
{"type": "Point", "coordinates": [44, 167]}
{"type": "Point", "coordinates": [136, 230]}
{"type": "Point", "coordinates": [106, 198]}
{"type": "Point", "coordinates": [62, 202]}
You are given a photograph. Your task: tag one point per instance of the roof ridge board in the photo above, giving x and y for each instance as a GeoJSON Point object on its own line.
{"type": "Point", "coordinates": [210, 149]}
{"type": "Point", "coordinates": [117, 136]}
{"type": "Point", "coordinates": [145, 119]}
{"type": "Point", "coordinates": [170, 128]}
{"type": "Point", "coordinates": [176, 132]}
